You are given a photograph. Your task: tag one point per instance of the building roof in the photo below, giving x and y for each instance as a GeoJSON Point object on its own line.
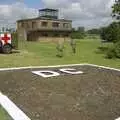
{"type": "Point", "coordinates": [43, 18]}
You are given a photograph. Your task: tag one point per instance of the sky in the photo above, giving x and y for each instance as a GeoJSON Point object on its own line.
{"type": "Point", "coordinates": [87, 13]}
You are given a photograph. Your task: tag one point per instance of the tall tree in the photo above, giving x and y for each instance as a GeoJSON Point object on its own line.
{"type": "Point", "coordinates": [116, 10]}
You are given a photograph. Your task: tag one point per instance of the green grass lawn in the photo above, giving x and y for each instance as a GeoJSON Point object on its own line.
{"type": "Point", "coordinates": [39, 53]}
{"type": "Point", "coordinates": [3, 115]}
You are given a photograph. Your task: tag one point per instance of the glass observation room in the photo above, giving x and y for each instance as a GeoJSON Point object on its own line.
{"type": "Point", "coordinates": [48, 13]}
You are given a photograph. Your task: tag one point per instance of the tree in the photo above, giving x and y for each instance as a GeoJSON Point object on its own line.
{"type": "Point", "coordinates": [111, 33]}
{"type": "Point", "coordinates": [79, 33]}
{"type": "Point", "coordinates": [116, 14]}
{"type": "Point", "coordinates": [94, 31]}
{"type": "Point", "coordinates": [116, 10]}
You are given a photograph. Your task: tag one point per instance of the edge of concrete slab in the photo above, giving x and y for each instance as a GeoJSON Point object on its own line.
{"type": "Point", "coordinates": [12, 109]}
{"type": "Point", "coordinates": [52, 66]}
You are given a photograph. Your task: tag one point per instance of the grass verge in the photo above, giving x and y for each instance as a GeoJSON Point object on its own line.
{"type": "Point", "coordinates": [40, 53]}
{"type": "Point", "coordinates": [4, 115]}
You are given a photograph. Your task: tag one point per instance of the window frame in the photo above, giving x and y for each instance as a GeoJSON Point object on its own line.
{"type": "Point", "coordinates": [44, 25]}
{"type": "Point", "coordinates": [54, 26]}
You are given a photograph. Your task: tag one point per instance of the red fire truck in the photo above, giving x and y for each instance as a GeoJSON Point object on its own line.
{"type": "Point", "coordinates": [5, 43]}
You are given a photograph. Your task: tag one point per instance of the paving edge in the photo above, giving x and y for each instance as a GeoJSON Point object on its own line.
{"type": "Point", "coordinates": [67, 65]}
{"type": "Point", "coordinates": [118, 118]}
{"type": "Point", "coordinates": [12, 109]}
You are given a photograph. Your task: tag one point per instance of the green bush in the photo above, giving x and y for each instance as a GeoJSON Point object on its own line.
{"type": "Point", "coordinates": [117, 49]}
{"type": "Point", "coordinates": [114, 51]}
{"type": "Point", "coordinates": [94, 31]}
{"type": "Point", "coordinates": [77, 35]}
{"type": "Point", "coordinates": [111, 33]}
{"type": "Point", "coordinates": [110, 53]}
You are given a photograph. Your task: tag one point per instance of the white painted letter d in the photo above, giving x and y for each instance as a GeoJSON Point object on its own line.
{"type": "Point", "coordinates": [46, 73]}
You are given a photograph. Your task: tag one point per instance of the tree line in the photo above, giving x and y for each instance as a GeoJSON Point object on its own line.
{"type": "Point", "coordinates": [110, 33]}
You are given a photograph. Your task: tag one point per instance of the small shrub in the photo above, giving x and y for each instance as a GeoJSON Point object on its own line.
{"type": "Point", "coordinates": [60, 49]}
{"type": "Point", "coordinates": [110, 53]}
{"type": "Point", "coordinates": [114, 51]}
{"type": "Point", "coordinates": [117, 49]}
{"type": "Point", "coordinates": [103, 49]}
{"type": "Point", "coordinates": [77, 35]}
{"type": "Point", "coordinates": [14, 40]}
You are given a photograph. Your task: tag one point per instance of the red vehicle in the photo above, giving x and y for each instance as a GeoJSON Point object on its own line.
{"type": "Point", "coordinates": [5, 43]}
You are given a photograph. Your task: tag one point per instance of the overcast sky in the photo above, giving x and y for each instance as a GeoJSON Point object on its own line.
{"type": "Point", "coordinates": [87, 13]}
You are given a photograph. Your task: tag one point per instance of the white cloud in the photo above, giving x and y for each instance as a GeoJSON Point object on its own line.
{"type": "Point", "coordinates": [88, 13]}
{"type": "Point", "coordinates": [10, 13]}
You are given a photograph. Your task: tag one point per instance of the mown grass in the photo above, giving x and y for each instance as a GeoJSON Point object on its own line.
{"type": "Point", "coordinates": [40, 53]}
{"type": "Point", "coordinates": [4, 115]}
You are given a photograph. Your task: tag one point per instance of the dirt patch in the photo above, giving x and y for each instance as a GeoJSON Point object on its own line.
{"type": "Point", "coordinates": [94, 95]}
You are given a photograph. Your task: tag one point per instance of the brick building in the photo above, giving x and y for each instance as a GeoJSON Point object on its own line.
{"type": "Point", "coordinates": [47, 26]}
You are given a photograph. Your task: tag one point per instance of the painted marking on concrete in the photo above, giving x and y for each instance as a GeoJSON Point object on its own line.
{"type": "Point", "coordinates": [12, 109]}
{"type": "Point", "coordinates": [67, 65]}
{"type": "Point", "coordinates": [118, 118]}
{"type": "Point", "coordinates": [48, 73]}
{"type": "Point", "coordinates": [42, 73]}
{"type": "Point", "coordinates": [32, 67]}
{"type": "Point", "coordinates": [70, 71]}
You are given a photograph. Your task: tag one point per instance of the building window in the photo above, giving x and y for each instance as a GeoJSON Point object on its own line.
{"type": "Point", "coordinates": [55, 24]}
{"type": "Point", "coordinates": [66, 25]}
{"type": "Point", "coordinates": [33, 24]}
{"type": "Point", "coordinates": [22, 24]}
{"type": "Point", "coordinates": [27, 25]}
{"type": "Point", "coordinates": [44, 24]}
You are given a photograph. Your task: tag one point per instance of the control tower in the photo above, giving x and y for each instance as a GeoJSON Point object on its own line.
{"type": "Point", "coordinates": [47, 26]}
